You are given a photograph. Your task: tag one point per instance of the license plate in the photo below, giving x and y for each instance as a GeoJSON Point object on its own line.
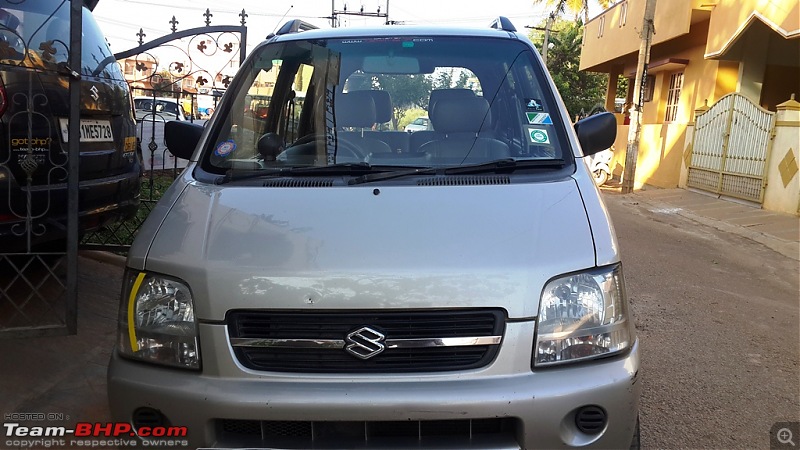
{"type": "Point", "coordinates": [91, 130]}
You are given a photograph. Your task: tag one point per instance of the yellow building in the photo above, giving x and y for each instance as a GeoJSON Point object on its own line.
{"type": "Point", "coordinates": [702, 51]}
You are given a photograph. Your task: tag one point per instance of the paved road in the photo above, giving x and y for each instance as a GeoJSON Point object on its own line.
{"type": "Point", "coordinates": [717, 315]}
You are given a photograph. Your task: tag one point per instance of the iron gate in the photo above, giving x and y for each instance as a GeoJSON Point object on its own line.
{"type": "Point", "coordinates": [731, 146]}
{"type": "Point", "coordinates": [39, 94]}
{"type": "Point", "coordinates": [179, 76]}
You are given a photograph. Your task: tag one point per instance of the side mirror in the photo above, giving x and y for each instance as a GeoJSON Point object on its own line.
{"type": "Point", "coordinates": [182, 137]}
{"type": "Point", "coordinates": [596, 133]}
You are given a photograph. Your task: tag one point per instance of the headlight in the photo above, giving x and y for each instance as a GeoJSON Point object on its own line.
{"type": "Point", "coordinates": [583, 316]}
{"type": "Point", "coordinates": [157, 322]}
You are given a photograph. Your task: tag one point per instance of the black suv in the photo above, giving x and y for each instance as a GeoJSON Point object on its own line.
{"type": "Point", "coordinates": [34, 111]}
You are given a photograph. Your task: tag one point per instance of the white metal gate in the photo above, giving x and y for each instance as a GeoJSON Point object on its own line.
{"type": "Point", "coordinates": [731, 147]}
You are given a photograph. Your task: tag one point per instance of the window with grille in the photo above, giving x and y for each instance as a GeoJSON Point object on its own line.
{"type": "Point", "coordinates": [673, 96]}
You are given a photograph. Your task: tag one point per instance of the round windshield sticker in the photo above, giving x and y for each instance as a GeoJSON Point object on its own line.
{"type": "Point", "coordinates": [539, 136]}
{"type": "Point", "coordinates": [225, 148]}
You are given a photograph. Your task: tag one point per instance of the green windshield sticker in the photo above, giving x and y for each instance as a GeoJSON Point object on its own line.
{"type": "Point", "coordinates": [408, 44]}
{"type": "Point", "coordinates": [539, 118]}
{"type": "Point", "coordinates": [539, 136]}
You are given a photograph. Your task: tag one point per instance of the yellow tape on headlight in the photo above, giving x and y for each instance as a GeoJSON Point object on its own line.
{"type": "Point", "coordinates": [131, 303]}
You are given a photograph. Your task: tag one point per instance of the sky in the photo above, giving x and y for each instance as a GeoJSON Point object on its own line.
{"type": "Point", "coordinates": [120, 20]}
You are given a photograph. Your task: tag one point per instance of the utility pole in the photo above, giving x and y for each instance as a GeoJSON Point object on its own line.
{"type": "Point", "coordinates": [548, 29]}
{"type": "Point", "coordinates": [548, 25]}
{"type": "Point", "coordinates": [635, 131]}
{"type": "Point", "coordinates": [335, 14]}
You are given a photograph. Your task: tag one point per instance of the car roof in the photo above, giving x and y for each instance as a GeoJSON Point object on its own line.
{"type": "Point", "coordinates": [394, 31]}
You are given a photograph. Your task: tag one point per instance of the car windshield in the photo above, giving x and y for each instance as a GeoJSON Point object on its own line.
{"type": "Point", "coordinates": [348, 101]}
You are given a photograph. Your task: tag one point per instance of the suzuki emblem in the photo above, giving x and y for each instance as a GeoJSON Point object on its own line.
{"type": "Point", "coordinates": [95, 95]}
{"type": "Point", "coordinates": [365, 343]}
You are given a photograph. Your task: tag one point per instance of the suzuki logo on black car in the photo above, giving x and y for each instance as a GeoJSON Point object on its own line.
{"type": "Point", "coordinates": [95, 95]}
{"type": "Point", "coordinates": [365, 343]}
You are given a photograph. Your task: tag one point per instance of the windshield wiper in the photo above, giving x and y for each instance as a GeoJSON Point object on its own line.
{"type": "Point", "coordinates": [333, 169]}
{"type": "Point", "coordinates": [388, 175]}
{"type": "Point", "coordinates": [504, 165]}
{"type": "Point", "coordinates": [238, 175]}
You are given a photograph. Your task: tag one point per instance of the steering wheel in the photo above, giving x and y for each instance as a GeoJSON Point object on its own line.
{"type": "Point", "coordinates": [345, 149]}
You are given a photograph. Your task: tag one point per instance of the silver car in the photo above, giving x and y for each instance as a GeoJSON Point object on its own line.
{"type": "Point", "coordinates": [311, 282]}
{"type": "Point", "coordinates": [160, 109]}
{"type": "Point", "coordinates": [418, 124]}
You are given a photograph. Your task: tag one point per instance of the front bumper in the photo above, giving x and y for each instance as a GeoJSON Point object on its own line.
{"type": "Point", "coordinates": [541, 404]}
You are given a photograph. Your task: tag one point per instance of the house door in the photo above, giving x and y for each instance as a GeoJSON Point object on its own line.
{"type": "Point", "coordinates": [731, 145]}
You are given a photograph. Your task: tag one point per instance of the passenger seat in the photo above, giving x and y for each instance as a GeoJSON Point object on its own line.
{"type": "Point", "coordinates": [461, 122]}
{"type": "Point", "coordinates": [357, 110]}
{"type": "Point", "coordinates": [418, 138]}
{"type": "Point", "coordinates": [397, 140]}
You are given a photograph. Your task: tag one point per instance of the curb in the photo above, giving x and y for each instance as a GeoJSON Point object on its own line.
{"type": "Point", "coordinates": [104, 257]}
{"type": "Point", "coordinates": [782, 246]}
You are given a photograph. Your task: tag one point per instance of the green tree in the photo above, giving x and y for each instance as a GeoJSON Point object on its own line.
{"type": "Point", "coordinates": [407, 91]}
{"type": "Point", "coordinates": [164, 84]}
{"type": "Point", "coordinates": [446, 78]}
{"type": "Point", "coordinates": [576, 7]}
{"type": "Point", "coordinates": [580, 90]}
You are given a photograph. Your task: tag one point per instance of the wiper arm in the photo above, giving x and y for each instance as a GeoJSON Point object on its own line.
{"type": "Point", "coordinates": [238, 175]}
{"type": "Point", "coordinates": [504, 165]}
{"type": "Point", "coordinates": [388, 175]}
{"type": "Point", "coordinates": [333, 169]}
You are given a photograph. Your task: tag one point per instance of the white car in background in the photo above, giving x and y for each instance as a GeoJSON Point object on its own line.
{"type": "Point", "coordinates": [419, 124]}
{"type": "Point", "coordinates": [162, 108]}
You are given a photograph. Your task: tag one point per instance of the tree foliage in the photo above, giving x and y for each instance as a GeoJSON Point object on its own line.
{"type": "Point", "coordinates": [576, 7]}
{"type": "Point", "coordinates": [164, 83]}
{"type": "Point", "coordinates": [581, 91]}
{"type": "Point", "coordinates": [408, 91]}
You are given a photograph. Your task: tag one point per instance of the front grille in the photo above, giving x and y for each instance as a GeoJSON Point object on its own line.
{"type": "Point", "coordinates": [393, 325]}
{"type": "Point", "coordinates": [357, 433]}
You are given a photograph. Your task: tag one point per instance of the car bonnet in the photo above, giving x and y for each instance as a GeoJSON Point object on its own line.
{"type": "Point", "coordinates": [370, 247]}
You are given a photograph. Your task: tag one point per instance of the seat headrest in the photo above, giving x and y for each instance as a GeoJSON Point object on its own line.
{"type": "Point", "coordinates": [383, 105]}
{"type": "Point", "coordinates": [461, 115]}
{"type": "Point", "coordinates": [355, 109]}
{"type": "Point", "coordinates": [440, 94]}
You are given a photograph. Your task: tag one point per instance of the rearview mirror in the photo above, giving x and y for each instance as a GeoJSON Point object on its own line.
{"type": "Point", "coordinates": [596, 133]}
{"type": "Point", "coordinates": [391, 64]}
{"type": "Point", "coordinates": [182, 137]}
